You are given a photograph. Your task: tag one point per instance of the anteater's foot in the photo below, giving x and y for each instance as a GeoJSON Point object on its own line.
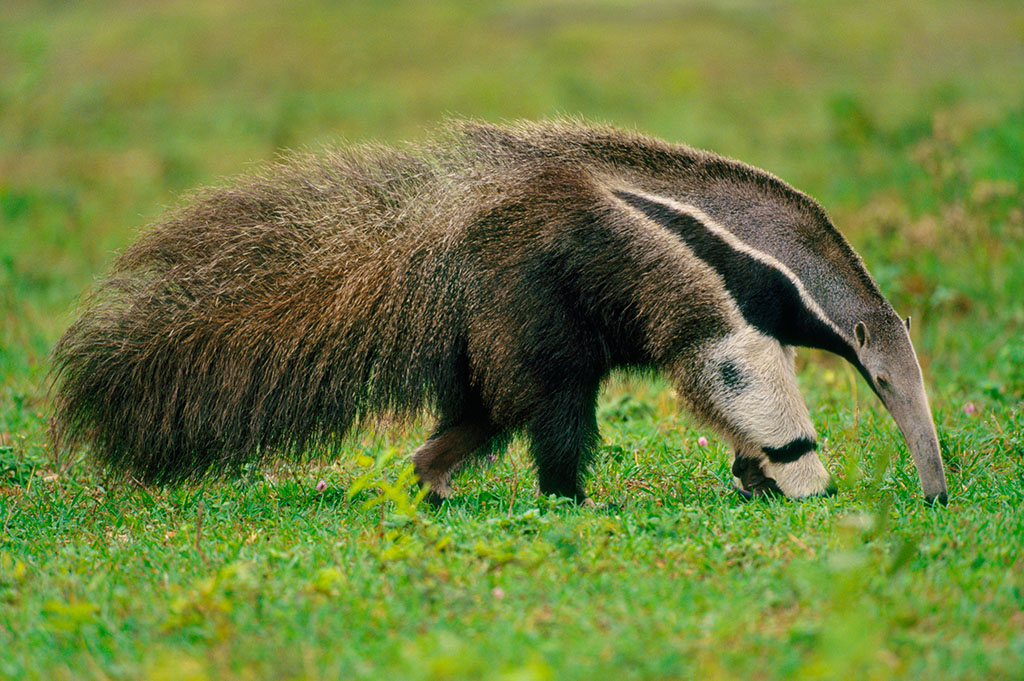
{"type": "Point", "coordinates": [805, 477]}
{"type": "Point", "coordinates": [750, 481]}
{"type": "Point", "coordinates": [438, 483]}
{"type": "Point", "coordinates": [799, 479]}
{"type": "Point", "coordinates": [436, 459]}
{"type": "Point", "coordinates": [578, 496]}
{"type": "Point", "coordinates": [435, 499]}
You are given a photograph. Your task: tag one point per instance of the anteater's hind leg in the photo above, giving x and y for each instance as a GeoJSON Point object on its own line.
{"type": "Point", "coordinates": [464, 429]}
{"type": "Point", "coordinates": [746, 387]}
{"type": "Point", "coordinates": [451, 445]}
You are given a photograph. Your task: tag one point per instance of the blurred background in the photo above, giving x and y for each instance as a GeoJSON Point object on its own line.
{"type": "Point", "coordinates": [906, 119]}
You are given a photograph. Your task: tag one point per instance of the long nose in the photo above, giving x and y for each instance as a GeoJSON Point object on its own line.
{"type": "Point", "coordinates": [914, 419]}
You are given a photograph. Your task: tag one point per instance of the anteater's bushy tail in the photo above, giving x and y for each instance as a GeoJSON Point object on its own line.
{"type": "Point", "coordinates": [267, 317]}
{"type": "Point", "coordinates": [270, 316]}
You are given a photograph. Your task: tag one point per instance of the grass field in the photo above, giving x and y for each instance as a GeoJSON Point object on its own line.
{"type": "Point", "coordinates": [906, 119]}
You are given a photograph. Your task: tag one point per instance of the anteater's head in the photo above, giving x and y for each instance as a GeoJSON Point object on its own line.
{"type": "Point", "coordinates": [887, 360]}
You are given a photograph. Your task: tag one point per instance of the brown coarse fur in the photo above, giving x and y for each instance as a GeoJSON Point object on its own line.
{"type": "Point", "coordinates": [489, 276]}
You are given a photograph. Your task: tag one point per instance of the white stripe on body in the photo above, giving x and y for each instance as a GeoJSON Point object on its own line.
{"type": "Point", "coordinates": [736, 243]}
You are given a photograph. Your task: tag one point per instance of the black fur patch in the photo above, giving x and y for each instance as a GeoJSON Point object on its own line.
{"type": "Point", "coordinates": [753, 479]}
{"type": "Point", "coordinates": [768, 300]}
{"type": "Point", "coordinates": [731, 376]}
{"type": "Point", "coordinates": [790, 452]}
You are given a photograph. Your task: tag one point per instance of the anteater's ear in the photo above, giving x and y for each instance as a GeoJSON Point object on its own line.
{"type": "Point", "coordinates": [907, 322]}
{"type": "Point", "coordinates": [861, 333]}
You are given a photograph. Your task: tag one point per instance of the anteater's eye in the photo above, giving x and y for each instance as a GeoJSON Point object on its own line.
{"type": "Point", "coordinates": [883, 380]}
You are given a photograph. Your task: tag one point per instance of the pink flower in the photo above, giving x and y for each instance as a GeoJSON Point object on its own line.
{"type": "Point", "coordinates": [498, 593]}
{"type": "Point", "coordinates": [969, 408]}
{"type": "Point", "coordinates": [702, 441]}
{"type": "Point", "coordinates": [321, 486]}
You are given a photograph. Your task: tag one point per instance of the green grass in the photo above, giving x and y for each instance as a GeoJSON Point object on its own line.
{"type": "Point", "coordinates": [906, 119]}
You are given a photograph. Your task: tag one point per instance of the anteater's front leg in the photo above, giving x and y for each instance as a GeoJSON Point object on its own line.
{"type": "Point", "coordinates": [563, 438]}
{"type": "Point", "coordinates": [745, 386]}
